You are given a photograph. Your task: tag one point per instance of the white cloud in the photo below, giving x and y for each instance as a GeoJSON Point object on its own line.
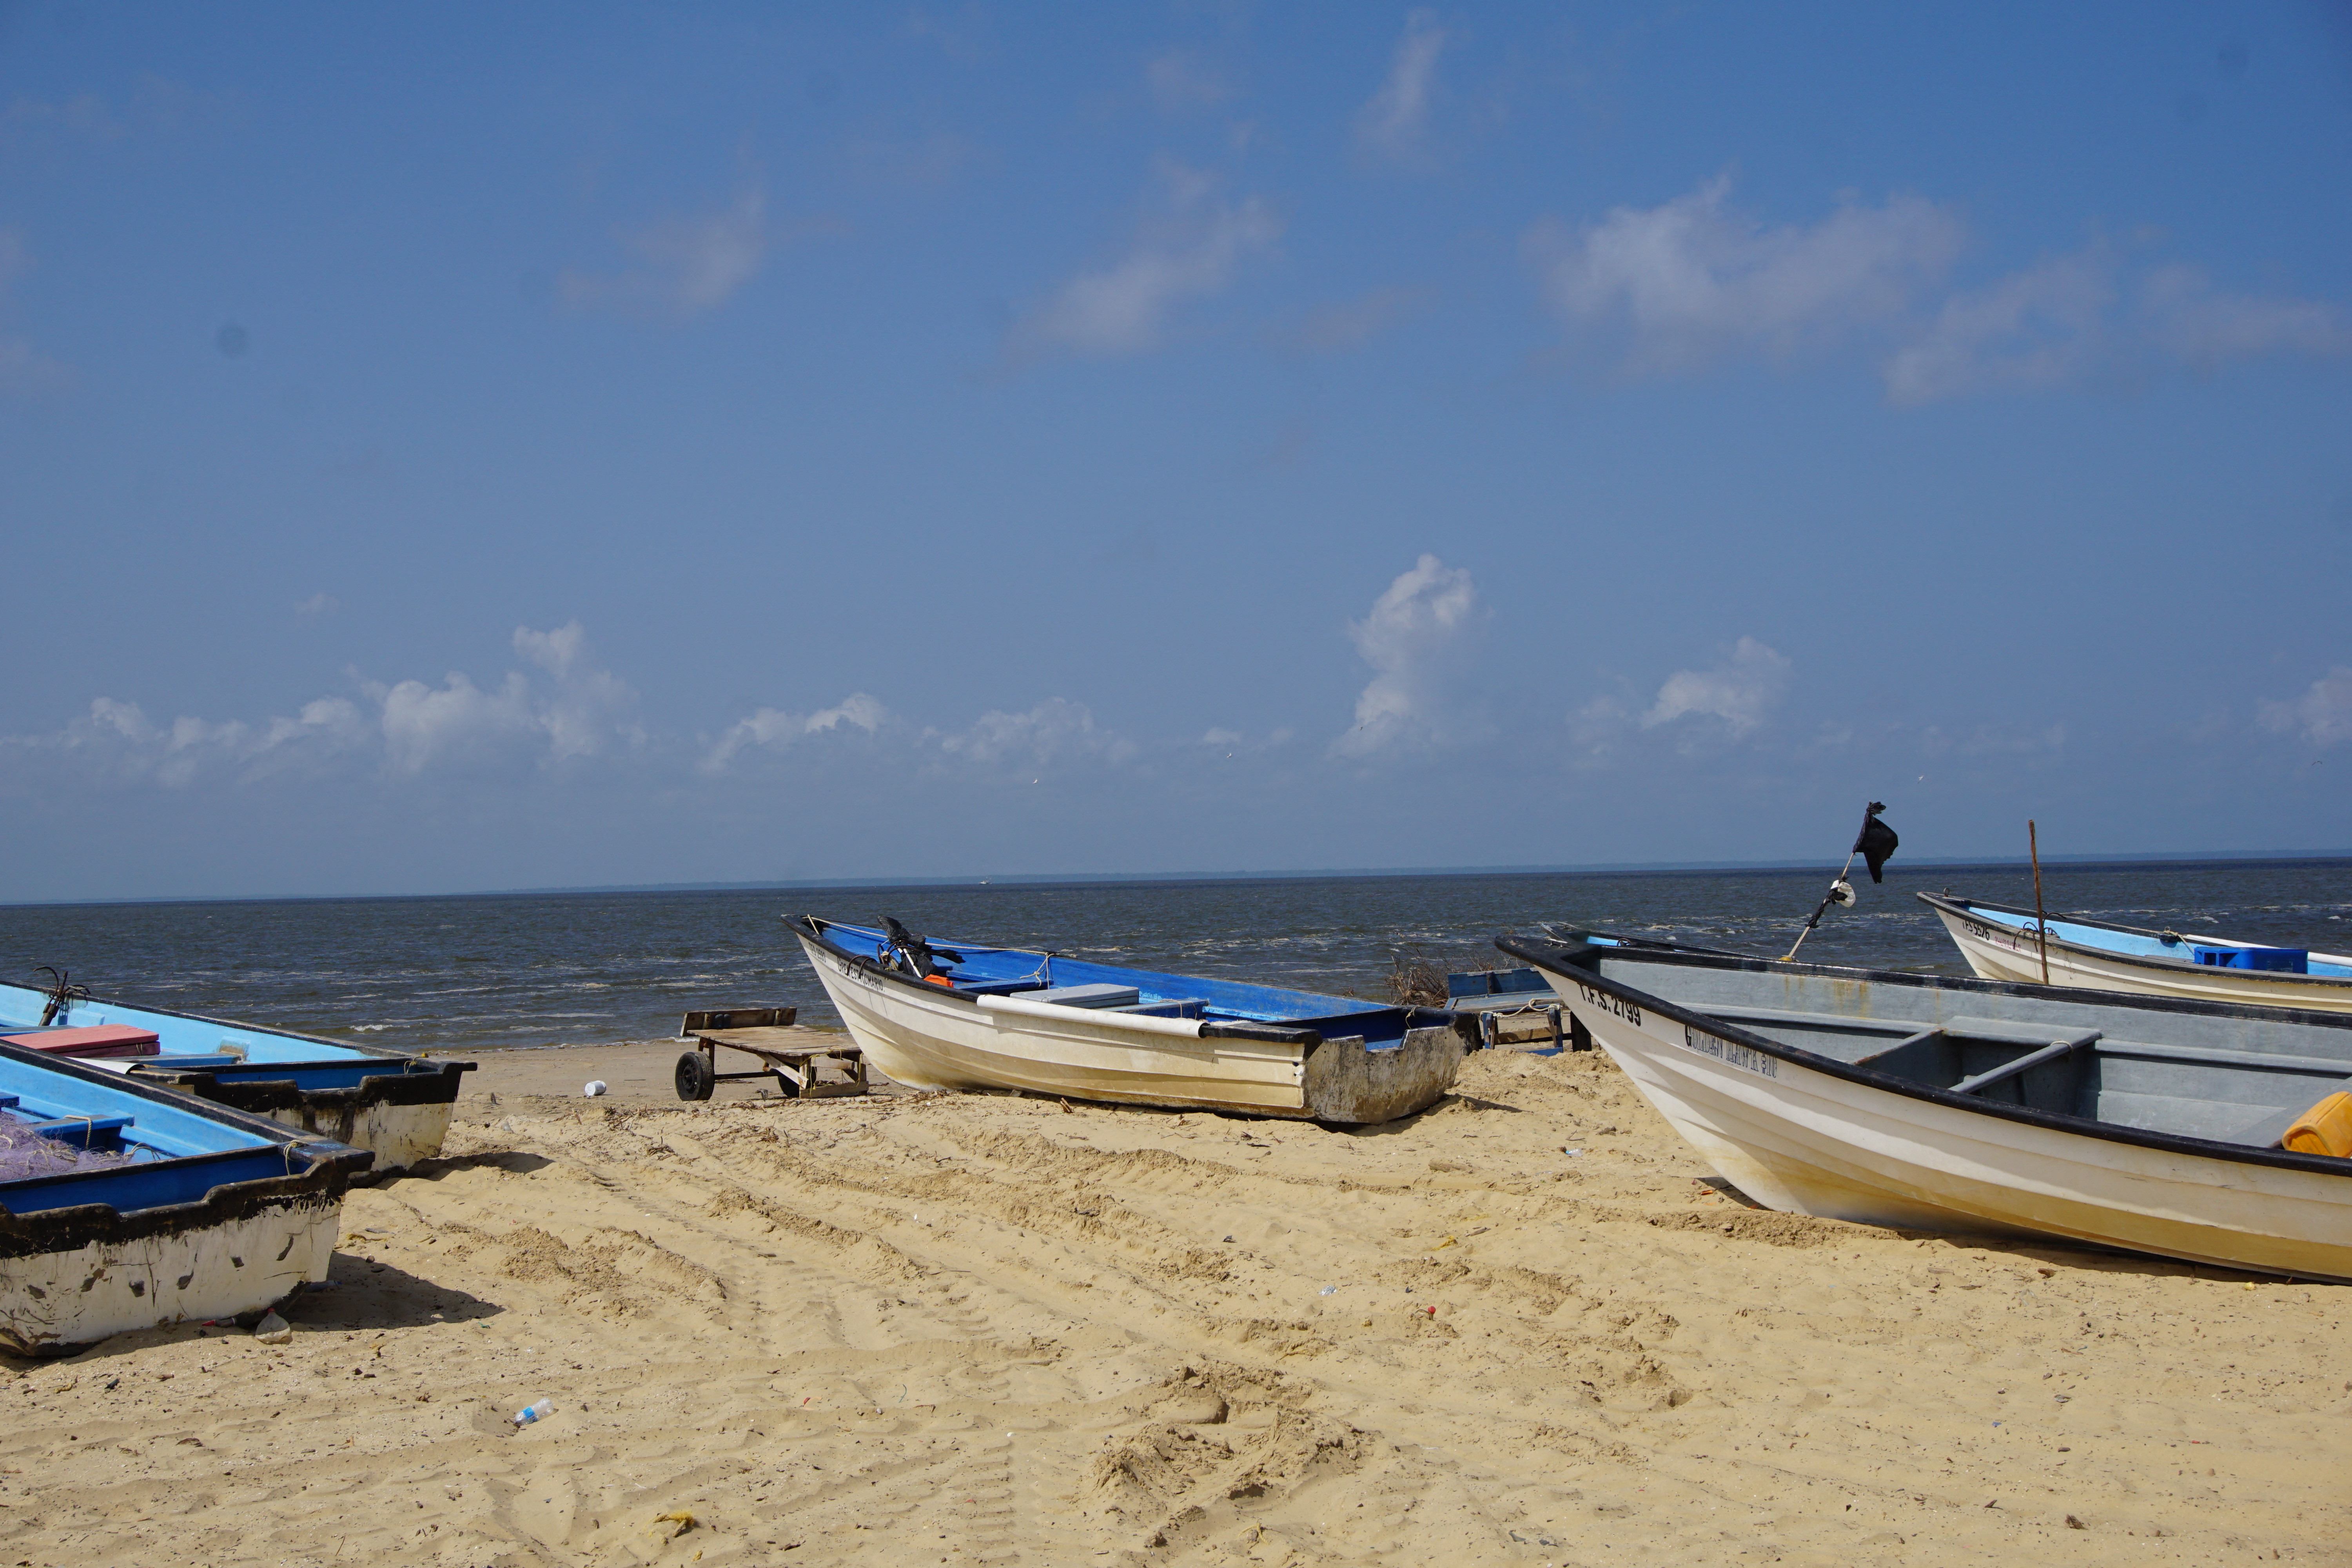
{"type": "Point", "coordinates": [405, 728]}
{"type": "Point", "coordinates": [591, 706]}
{"type": "Point", "coordinates": [690, 264]}
{"type": "Point", "coordinates": [2034, 328]}
{"type": "Point", "coordinates": [774, 729]}
{"type": "Point", "coordinates": [1689, 281]}
{"type": "Point", "coordinates": [1416, 639]}
{"type": "Point", "coordinates": [1741, 691]}
{"type": "Point", "coordinates": [2070, 318]}
{"type": "Point", "coordinates": [1188, 251]}
{"type": "Point", "coordinates": [317, 605]}
{"type": "Point", "coordinates": [2323, 713]}
{"type": "Point", "coordinates": [1055, 729]}
{"type": "Point", "coordinates": [1692, 280]}
{"type": "Point", "coordinates": [1391, 123]}
{"type": "Point", "coordinates": [456, 721]}
{"type": "Point", "coordinates": [2183, 315]}
{"type": "Point", "coordinates": [116, 740]}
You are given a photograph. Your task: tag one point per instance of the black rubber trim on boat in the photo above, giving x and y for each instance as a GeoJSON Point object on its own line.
{"type": "Point", "coordinates": [261, 1096]}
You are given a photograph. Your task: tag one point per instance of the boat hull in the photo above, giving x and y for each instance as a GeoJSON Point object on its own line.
{"type": "Point", "coordinates": [1998, 952]}
{"type": "Point", "coordinates": [241, 1256]}
{"type": "Point", "coordinates": [401, 1119]}
{"type": "Point", "coordinates": [1817, 1142]}
{"type": "Point", "coordinates": [949, 1042]}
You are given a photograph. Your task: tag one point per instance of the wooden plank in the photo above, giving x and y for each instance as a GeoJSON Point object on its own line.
{"type": "Point", "coordinates": [736, 1018]}
{"type": "Point", "coordinates": [780, 1041]}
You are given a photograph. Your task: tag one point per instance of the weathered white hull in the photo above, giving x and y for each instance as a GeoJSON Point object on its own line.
{"type": "Point", "coordinates": [399, 1136]}
{"type": "Point", "coordinates": [1813, 1142]}
{"type": "Point", "coordinates": [51, 1301]}
{"type": "Point", "coordinates": [999, 1043]}
{"type": "Point", "coordinates": [1995, 952]}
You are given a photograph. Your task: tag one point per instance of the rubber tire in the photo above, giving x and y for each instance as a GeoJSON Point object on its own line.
{"type": "Point", "coordinates": [695, 1078]}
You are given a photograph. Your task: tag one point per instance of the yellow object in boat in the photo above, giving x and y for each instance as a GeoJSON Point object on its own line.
{"type": "Point", "coordinates": [2325, 1129]}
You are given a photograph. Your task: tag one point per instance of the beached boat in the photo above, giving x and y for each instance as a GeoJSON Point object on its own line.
{"type": "Point", "coordinates": [392, 1105]}
{"type": "Point", "coordinates": [2004, 943]}
{"type": "Point", "coordinates": [1934, 1102]}
{"type": "Point", "coordinates": [126, 1205]}
{"type": "Point", "coordinates": [962, 1015]}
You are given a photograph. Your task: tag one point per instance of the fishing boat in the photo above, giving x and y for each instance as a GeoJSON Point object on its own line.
{"type": "Point", "coordinates": [126, 1205]}
{"type": "Point", "coordinates": [394, 1106]}
{"type": "Point", "coordinates": [2004, 943]}
{"type": "Point", "coordinates": [963, 1015]}
{"type": "Point", "coordinates": [1940, 1103]}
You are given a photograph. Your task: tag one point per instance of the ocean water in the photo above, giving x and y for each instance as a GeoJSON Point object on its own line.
{"type": "Point", "coordinates": [497, 972]}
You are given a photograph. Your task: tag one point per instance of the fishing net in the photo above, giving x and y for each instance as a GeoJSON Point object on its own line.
{"type": "Point", "coordinates": [24, 1153]}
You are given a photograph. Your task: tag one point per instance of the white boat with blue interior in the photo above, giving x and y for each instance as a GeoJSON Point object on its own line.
{"type": "Point", "coordinates": [2002, 942]}
{"type": "Point", "coordinates": [964, 1015]}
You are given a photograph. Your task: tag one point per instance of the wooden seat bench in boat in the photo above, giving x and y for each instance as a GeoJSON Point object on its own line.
{"type": "Point", "coordinates": [89, 1041]}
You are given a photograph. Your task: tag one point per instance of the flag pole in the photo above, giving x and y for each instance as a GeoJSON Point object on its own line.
{"type": "Point", "coordinates": [2040, 920]}
{"type": "Point", "coordinates": [1831, 899]}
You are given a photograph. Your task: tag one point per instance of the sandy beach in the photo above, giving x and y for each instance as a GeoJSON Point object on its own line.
{"type": "Point", "coordinates": [1523, 1327]}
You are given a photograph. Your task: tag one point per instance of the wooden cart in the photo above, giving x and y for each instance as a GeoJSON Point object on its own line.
{"type": "Point", "coordinates": [785, 1054]}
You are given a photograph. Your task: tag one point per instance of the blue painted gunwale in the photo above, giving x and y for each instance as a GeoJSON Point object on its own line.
{"type": "Point", "coordinates": [199, 1044]}
{"type": "Point", "coordinates": [1005, 971]}
{"type": "Point", "coordinates": [183, 1148]}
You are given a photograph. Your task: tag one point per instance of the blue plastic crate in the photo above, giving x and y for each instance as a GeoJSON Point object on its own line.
{"type": "Point", "coordinates": [2283, 960]}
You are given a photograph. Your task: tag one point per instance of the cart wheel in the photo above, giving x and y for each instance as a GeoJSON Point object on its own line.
{"type": "Point", "coordinates": [695, 1078]}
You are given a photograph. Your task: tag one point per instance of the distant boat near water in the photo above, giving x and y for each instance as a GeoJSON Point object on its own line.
{"type": "Point", "coordinates": [2205, 1131]}
{"type": "Point", "coordinates": [395, 1107]}
{"type": "Point", "coordinates": [964, 1015]}
{"type": "Point", "coordinates": [2005, 944]}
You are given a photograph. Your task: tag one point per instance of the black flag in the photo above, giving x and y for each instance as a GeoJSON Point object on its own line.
{"type": "Point", "coordinates": [1877, 841]}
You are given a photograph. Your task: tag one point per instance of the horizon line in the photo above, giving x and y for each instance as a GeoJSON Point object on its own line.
{"type": "Point", "coordinates": [1066, 879]}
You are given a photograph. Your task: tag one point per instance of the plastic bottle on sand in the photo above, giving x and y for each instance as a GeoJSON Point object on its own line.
{"type": "Point", "coordinates": [530, 1412]}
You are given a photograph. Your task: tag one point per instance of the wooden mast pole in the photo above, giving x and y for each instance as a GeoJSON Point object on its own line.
{"type": "Point", "coordinates": [2040, 920]}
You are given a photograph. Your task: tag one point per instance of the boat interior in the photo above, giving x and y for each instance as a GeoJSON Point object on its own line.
{"type": "Point", "coordinates": [153, 1147]}
{"type": "Point", "coordinates": [972, 969]}
{"type": "Point", "coordinates": [2195, 1070]}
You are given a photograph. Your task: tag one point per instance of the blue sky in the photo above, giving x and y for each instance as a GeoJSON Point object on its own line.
{"type": "Point", "coordinates": [465, 448]}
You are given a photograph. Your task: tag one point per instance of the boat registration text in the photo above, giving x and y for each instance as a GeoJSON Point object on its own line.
{"type": "Point", "coordinates": [1731, 1052]}
{"type": "Point", "coordinates": [1605, 1003]}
